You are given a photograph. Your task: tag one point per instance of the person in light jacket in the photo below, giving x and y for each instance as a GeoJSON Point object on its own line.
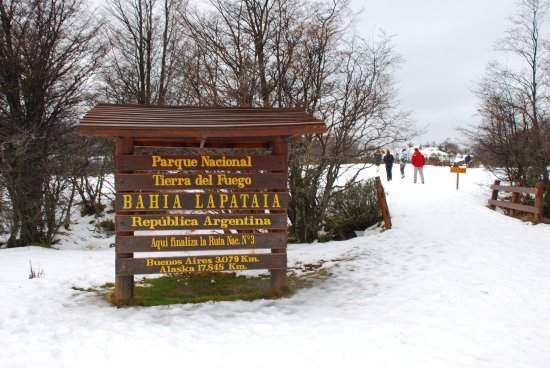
{"type": "Point", "coordinates": [388, 161]}
{"type": "Point", "coordinates": [418, 162]}
{"type": "Point", "coordinates": [403, 160]}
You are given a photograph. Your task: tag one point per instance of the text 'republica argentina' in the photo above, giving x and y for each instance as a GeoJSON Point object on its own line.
{"type": "Point", "coordinates": [206, 222]}
{"type": "Point", "coordinates": [204, 161]}
{"type": "Point", "coordinates": [151, 201]}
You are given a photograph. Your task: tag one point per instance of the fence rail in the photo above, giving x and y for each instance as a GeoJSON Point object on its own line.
{"type": "Point", "coordinates": [514, 205]}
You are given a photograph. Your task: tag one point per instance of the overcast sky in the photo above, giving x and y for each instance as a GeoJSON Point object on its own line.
{"type": "Point", "coordinates": [446, 46]}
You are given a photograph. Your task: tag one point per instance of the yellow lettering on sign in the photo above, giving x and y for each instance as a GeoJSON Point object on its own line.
{"type": "Point", "coordinates": [276, 203]}
{"type": "Point", "coordinates": [207, 161]}
{"type": "Point", "coordinates": [164, 222]}
{"type": "Point", "coordinates": [198, 202]}
{"type": "Point", "coordinates": [177, 203]}
{"type": "Point", "coordinates": [139, 203]}
{"type": "Point", "coordinates": [179, 163]}
{"type": "Point", "coordinates": [156, 161]}
{"type": "Point", "coordinates": [136, 221]}
{"type": "Point", "coordinates": [153, 201]}
{"type": "Point", "coordinates": [223, 200]}
{"type": "Point", "coordinates": [202, 200]}
{"type": "Point", "coordinates": [239, 181]}
{"type": "Point", "coordinates": [255, 202]}
{"type": "Point", "coordinates": [234, 203]}
{"type": "Point", "coordinates": [211, 203]}
{"type": "Point", "coordinates": [224, 223]}
{"type": "Point", "coordinates": [163, 181]}
{"type": "Point", "coordinates": [127, 201]}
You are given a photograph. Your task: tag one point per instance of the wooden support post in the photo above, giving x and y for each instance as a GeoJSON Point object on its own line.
{"type": "Point", "coordinates": [382, 203]}
{"type": "Point", "coordinates": [494, 195]}
{"type": "Point", "coordinates": [124, 285]}
{"type": "Point", "coordinates": [515, 199]}
{"type": "Point", "coordinates": [457, 180]}
{"type": "Point", "coordinates": [278, 276]}
{"type": "Point", "coordinates": [539, 201]}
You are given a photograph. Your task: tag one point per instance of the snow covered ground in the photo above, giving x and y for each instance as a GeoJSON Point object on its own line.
{"type": "Point", "coordinates": [453, 284]}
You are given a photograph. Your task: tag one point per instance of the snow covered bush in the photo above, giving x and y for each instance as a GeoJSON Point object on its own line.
{"type": "Point", "coordinates": [353, 209]}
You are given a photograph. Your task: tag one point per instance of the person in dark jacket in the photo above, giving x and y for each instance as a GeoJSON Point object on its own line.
{"type": "Point", "coordinates": [388, 161]}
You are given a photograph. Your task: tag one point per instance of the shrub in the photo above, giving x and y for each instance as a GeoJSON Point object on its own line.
{"type": "Point", "coordinates": [107, 226]}
{"type": "Point", "coordinates": [87, 209]}
{"type": "Point", "coordinates": [355, 208]}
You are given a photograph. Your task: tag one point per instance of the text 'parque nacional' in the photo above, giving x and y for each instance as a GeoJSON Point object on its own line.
{"type": "Point", "coordinates": [204, 161]}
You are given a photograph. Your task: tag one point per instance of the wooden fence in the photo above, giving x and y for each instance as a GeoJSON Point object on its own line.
{"type": "Point", "coordinates": [514, 205]}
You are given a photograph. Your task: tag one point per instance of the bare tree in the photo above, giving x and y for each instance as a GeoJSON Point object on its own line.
{"type": "Point", "coordinates": [145, 40]}
{"type": "Point", "coordinates": [362, 115]}
{"type": "Point", "coordinates": [298, 54]}
{"type": "Point", "coordinates": [512, 139]}
{"type": "Point", "coordinates": [47, 56]}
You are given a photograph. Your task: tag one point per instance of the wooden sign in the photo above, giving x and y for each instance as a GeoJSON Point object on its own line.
{"type": "Point", "coordinates": [204, 180]}
{"type": "Point", "coordinates": [193, 221]}
{"type": "Point", "coordinates": [230, 195]}
{"type": "Point", "coordinates": [155, 201]}
{"type": "Point", "coordinates": [202, 162]}
{"type": "Point", "coordinates": [170, 243]}
{"type": "Point", "coordinates": [458, 170]}
{"type": "Point", "coordinates": [178, 265]}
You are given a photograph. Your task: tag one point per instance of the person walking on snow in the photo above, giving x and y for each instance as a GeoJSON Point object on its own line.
{"type": "Point", "coordinates": [388, 161]}
{"type": "Point", "coordinates": [403, 160]}
{"type": "Point", "coordinates": [418, 162]}
{"type": "Point", "coordinates": [377, 159]}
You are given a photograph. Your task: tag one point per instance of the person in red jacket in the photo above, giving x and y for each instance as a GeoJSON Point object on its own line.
{"type": "Point", "coordinates": [418, 162]}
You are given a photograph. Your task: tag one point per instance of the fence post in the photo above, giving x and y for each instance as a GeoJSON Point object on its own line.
{"type": "Point", "coordinates": [494, 195]}
{"type": "Point", "coordinates": [515, 199]}
{"type": "Point", "coordinates": [539, 202]}
{"type": "Point", "coordinates": [382, 203]}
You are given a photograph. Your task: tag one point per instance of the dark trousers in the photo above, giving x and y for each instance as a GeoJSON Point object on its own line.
{"type": "Point", "coordinates": [388, 171]}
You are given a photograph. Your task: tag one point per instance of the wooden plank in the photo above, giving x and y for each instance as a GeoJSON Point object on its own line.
{"type": "Point", "coordinates": [190, 264]}
{"type": "Point", "coordinates": [161, 131]}
{"type": "Point", "coordinates": [199, 162]}
{"type": "Point", "coordinates": [162, 201]}
{"type": "Point", "coordinates": [171, 243]}
{"type": "Point", "coordinates": [202, 221]}
{"type": "Point", "coordinates": [512, 206]}
{"type": "Point", "coordinates": [206, 181]}
{"type": "Point", "coordinates": [510, 189]}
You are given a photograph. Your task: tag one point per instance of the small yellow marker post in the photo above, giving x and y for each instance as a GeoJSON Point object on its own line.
{"type": "Point", "coordinates": [458, 170]}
